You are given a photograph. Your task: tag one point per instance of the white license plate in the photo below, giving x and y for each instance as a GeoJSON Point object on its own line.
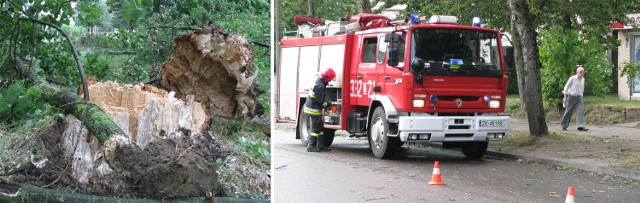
{"type": "Point", "coordinates": [491, 123]}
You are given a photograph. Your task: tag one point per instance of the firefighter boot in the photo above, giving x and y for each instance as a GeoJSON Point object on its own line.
{"type": "Point", "coordinates": [321, 144]}
{"type": "Point", "coordinates": [312, 146]}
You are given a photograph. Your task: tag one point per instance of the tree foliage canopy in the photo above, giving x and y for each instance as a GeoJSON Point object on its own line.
{"type": "Point", "coordinates": [118, 40]}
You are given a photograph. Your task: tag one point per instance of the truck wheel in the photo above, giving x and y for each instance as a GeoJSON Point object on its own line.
{"type": "Point", "coordinates": [304, 128]}
{"type": "Point", "coordinates": [381, 145]}
{"type": "Point", "coordinates": [474, 150]}
{"type": "Point", "coordinates": [329, 134]}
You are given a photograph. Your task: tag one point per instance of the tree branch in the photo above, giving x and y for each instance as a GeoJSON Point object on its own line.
{"type": "Point", "coordinates": [262, 44]}
{"type": "Point", "coordinates": [96, 121]}
{"type": "Point", "coordinates": [73, 49]}
{"type": "Point", "coordinates": [175, 27]}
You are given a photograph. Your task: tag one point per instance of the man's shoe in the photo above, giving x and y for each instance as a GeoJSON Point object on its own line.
{"type": "Point", "coordinates": [583, 129]}
{"type": "Point", "coordinates": [564, 129]}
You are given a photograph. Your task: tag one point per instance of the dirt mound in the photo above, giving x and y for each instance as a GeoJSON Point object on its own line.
{"type": "Point", "coordinates": [174, 167]}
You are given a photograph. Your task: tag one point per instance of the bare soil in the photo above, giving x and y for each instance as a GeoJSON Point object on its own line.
{"type": "Point", "coordinates": [167, 168]}
{"type": "Point", "coordinates": [611, 151]}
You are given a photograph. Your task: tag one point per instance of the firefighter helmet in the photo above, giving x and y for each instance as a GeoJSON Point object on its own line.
{"type": "Point", "coordinates": [327, 74]}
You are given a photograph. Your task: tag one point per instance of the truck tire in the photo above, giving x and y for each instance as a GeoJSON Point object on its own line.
{"type": "Point", "coordinates": [381, 145]}
{"type": "Point", "coordinates": [304, 128]}
{"type": "Point", "coordinates": [474, 150]}
{"type": "Point", "coordinates": [329, 134]}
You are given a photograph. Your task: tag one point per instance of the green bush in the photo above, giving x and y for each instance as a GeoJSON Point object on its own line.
{"type": "Point", "coordinates": [24, 107]}
{"type": "Point", "coordinates": [560, 52]}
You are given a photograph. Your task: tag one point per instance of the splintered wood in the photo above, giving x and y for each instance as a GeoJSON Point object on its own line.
{"type": "Point", "coordinates": [214, 66]}
{"type": "Point", "coordinates": [147, 113]}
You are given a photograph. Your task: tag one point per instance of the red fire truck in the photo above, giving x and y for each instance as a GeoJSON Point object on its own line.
{"type": "Point", "coordinates": [399, 82]}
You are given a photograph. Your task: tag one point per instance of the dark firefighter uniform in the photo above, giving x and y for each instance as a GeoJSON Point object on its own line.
{"type": "Point", "coordinates": [313, 107]}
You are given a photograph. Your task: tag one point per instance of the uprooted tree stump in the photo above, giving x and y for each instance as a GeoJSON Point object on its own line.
{"type": "Point", "coordinates": [215, 66]}
{"type": "Point", "coordinates": [145, 142]}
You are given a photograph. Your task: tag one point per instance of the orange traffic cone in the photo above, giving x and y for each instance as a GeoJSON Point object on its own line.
{"type": "Point", "coordinates": [570, 197]}
{"type": "Point", "coordinates": [436, 179]}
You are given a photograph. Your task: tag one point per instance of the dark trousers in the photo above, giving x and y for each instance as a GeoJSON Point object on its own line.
{"type": "Point", "coordinates": [317, 126]}
{"type": "Point", "coordinates": [574, 103]}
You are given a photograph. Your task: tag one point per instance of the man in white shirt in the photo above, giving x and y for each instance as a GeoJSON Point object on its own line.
{"type": "Point", "coordinates": [573, 92]}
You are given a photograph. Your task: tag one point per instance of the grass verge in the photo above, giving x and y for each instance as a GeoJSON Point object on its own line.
{"type": "Point", "coordinates": [244, 171]}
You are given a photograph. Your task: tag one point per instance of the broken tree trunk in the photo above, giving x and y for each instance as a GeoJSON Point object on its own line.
{"type": "Point", "coordinates": [147, 113]}
{"type": "Point", "coordinates": [215, 66]}
{"type": "Point", "coordinates": [90, 114]}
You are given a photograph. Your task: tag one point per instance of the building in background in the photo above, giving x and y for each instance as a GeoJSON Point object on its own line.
{"type": "Point", "coordinates": [628, 51]}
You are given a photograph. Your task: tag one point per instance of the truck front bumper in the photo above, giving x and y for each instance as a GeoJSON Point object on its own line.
{"type": "Point", "coordinates": [445, 128]}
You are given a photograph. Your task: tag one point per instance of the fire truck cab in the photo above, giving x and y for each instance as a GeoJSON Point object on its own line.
{"type": "Point", "coordinates": [399, 82]}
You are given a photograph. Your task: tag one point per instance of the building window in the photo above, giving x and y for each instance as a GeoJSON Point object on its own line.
{"type": "Point", "coordinates": [635, 55]}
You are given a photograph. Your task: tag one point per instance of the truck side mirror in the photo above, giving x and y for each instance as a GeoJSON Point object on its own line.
{"type": "Point", "coordinates": [392, 50]}
{"type": "Point", "coordinates": [417, 65]}
{"type": "Point", "coordinates": [390, 37]}
{"type": "Point", "coordinates": [392, 59]}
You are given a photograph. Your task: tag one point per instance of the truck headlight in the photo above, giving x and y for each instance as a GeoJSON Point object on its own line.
{"type": "Point", "coordinates": [418, 103]}
{"type": "Point", "coordinates": [494, 104]}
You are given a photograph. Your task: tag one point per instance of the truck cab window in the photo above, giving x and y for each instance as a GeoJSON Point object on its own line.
{"type": "Point", "coordinates": [457, 52]}
{"type": "Point", "coordinates": [382, 49]}
{"type": "Point", "coordinates": [369, 50]}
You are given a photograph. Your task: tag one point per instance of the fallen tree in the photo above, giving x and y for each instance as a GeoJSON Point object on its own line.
{"type": "Point", "coordinates": [148, 143]}
{"type": "Point", "coordinates": [98, 122]}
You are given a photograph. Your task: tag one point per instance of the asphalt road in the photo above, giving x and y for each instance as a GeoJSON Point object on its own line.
{"type": "Point", "coordinates": [350, 173]}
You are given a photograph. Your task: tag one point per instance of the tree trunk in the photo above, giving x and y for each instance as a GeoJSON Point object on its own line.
{"type": "Point", "coordinates": [365, 6]}
{"type": "Point", "coordinates": [96, 121]}
{"type": "Point", "coordinates": [517, 52]}
{"type": "Point", "coordinates": [278, 32]}
{"type": "Point", "coordinates": [535, 110]}
{"type": "Point", "coordinates": [310, 8]}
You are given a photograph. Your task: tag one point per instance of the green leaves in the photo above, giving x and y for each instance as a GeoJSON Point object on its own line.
{"type": "Point", "coordinates": [24, 105]}
{"type": "Point", "coordinates": [560, 51]}
{"type": "Point", "coordinates": [133, 10]}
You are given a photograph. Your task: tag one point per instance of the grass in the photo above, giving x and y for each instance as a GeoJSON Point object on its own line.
{"type": "Point", "coordinates": [610, 100]}
{"type": "Point", "coordinates": [632, 163]}
{"type": "Point", "coordinates": [606, 109]}
{"type": "Point", "coordinates": [243, 172]}
{"type": "Point", "coordinates": [567, 168]}
{"type": "Point", "coordinates": [513, 100]}
{"type": "Point", "coordinates": [570, 138]}
{"type": "Point", "coordinates": [516, 138]}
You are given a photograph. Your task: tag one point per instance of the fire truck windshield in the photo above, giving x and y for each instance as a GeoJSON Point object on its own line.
{"type": "Point", "coordinates": [457, 52]}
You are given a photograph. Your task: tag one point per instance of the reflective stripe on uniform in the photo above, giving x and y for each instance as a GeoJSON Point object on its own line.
{"type": "Point", "coordinates": [317, 134]}
{"type": "Point", "coordinates": [311, 111]}
{"type": "Point", "coordinates": [312, 94]}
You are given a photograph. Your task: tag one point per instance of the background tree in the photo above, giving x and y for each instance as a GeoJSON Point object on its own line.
{"type": "Point", "coordinates": [327, 10]}
{"type": "Point", "coordinates": [523, 26]}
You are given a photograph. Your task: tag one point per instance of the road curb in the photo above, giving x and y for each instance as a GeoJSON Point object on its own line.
{"type": "Point", "coordinates": [624, 173]}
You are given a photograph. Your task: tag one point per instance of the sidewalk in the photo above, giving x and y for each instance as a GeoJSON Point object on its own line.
{"type": "Point", "coordinates": [616, 143]}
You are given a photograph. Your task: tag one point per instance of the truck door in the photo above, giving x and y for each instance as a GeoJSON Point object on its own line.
{"type": "Point", "coordinates": [392, 78]}
{"type": "Point", "coordinates": [369, 72]}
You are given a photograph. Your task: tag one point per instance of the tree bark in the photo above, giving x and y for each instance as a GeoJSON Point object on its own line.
{"type": "Point", "coordinates": [310, 8]}
{"type": "Point", "coordinates": [531, 63]}
{"type": "Point", "coordinates": [96, 121]}
{"type": "Point", "coordinates": [278, 33]}
{"type": "Point", "coordinates": [365, 6]}
{"type": "Point", "coordinates": [519, 63]}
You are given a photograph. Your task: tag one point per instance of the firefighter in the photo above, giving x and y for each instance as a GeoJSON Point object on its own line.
{"type": "Point", "coordinates": [313, 108]}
